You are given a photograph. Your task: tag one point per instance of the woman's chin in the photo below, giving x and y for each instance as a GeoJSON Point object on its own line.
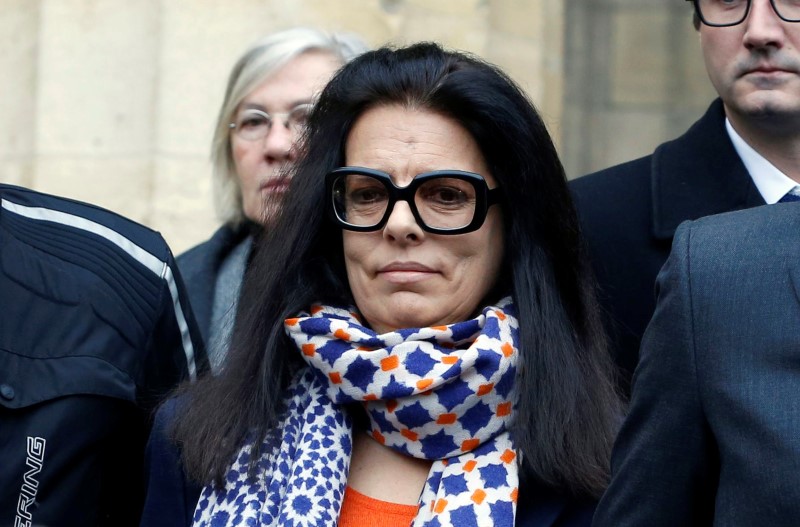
{"type": "Point", "coordinates": [407, 311]}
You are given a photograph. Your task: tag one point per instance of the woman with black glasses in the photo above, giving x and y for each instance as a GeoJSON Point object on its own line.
{"type": "Point", "coordinates": [417, 341]}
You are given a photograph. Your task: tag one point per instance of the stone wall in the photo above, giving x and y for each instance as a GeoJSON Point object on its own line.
{"type": "Point", "coordinates": [113, 102]}
{"type": "Point", "coordinates": [634, 78]}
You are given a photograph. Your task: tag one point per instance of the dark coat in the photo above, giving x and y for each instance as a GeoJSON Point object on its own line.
{"type": "Point", "coordinates": [171, 497]}
{"type": "Point", "coordinates": [200, 265]}
{"type": "Point", "coordinates": [712, 434]}
{"type": "Point", "coordinates": [95, 330]}
{"type": "Point", "coordinates": [629, 213]}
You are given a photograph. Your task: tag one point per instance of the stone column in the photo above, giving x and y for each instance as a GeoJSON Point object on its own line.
{"type": "Point", "coordinates": [95, 102]}
{"type": "Point", "coordinates": [634, 79]}
{"type": "Point", "coordinates": [526, 40]}
{"type": "Point", "coordinates": [19, 30]}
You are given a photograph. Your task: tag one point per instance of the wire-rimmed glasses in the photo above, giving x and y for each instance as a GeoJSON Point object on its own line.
{"type": "Point", "coordinates": [252, 124]}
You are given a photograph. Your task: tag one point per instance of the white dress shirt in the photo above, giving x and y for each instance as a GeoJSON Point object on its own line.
{"type": "Point", "coordinates": [771, 183]}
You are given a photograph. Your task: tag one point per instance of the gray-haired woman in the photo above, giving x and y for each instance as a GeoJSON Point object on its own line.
{"type": "Point", "coordinates": [270, 92]}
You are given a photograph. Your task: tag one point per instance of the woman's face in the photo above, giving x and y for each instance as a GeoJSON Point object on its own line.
{"type": "Point", "coordinates": [259, 163]}
{"type": "Point", "coordinates": [402, 276]}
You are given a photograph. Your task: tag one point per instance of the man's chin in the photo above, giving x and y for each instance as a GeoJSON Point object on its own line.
{"type": "Point", "coordinates": [766, 105]}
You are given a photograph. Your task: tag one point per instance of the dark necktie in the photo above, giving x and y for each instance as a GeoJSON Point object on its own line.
{"type": "Point", "coordinates": [792, 195]}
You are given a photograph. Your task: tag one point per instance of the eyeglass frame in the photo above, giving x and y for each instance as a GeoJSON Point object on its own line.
{"type": "Point", "coordinates": [702, 19]}
{"type": "Point", "coordinates": [271, 118]}
{"type": "Point", "coordinates": [485, 197]}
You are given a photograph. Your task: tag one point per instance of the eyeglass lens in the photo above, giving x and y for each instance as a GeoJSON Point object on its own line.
{"type": "Point", "coordinates": [732, 12]}
{"type": "Point", "coordinates": [441, 202]}
{"type": "Point", "coordinates": [252, 124]}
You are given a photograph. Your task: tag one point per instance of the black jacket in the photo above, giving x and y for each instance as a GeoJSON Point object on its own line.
{"type": "Point", "coordinates": [95, 328]}
{"type": "Point", "coordinates": [629, 214]}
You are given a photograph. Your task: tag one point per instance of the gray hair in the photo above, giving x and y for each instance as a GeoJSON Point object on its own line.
{"type": "Point", "coordinates": [263, 59]}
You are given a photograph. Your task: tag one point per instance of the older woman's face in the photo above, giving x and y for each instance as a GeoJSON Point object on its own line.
{"type": "Point", "coordinates": [402, 276]}
{"type": "Point", "coordinates": [259, 163]}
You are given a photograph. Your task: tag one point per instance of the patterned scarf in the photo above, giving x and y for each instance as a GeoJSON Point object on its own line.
{"type": "Point", "coordinates": [444, 393]}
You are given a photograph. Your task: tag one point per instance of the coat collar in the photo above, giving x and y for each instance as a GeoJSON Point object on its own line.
{"type": "Point", "coordinates": [699, 174]}
{"type": "Point", "coordinates": [200, 265]}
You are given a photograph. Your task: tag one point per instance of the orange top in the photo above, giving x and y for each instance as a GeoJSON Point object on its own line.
{"type": "Point", "coordinates": [359, 510]}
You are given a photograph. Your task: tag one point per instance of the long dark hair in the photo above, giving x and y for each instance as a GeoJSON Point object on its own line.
{"type": "Point", "coordinates": [568, 408]}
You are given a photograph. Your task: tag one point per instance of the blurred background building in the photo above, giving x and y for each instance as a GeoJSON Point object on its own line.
{"type": "Point", "coordinates": [113, 101]}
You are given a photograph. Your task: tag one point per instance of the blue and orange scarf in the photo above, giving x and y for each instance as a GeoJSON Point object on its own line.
{"type": "Point", "coordinates": [443, 393]}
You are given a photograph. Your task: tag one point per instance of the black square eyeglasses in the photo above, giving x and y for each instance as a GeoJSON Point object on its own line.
{"type": "Point", "coordinates": [442, 202]}
{"type": "Point", "coordinates": [724, 13]}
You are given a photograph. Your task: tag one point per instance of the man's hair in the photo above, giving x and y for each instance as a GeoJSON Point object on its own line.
{"type": "Point", "coordinates": [258, 63]}
{"type": "Point", "coordinates": [567, 410]}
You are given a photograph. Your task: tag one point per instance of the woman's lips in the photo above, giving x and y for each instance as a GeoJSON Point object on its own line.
{"type": "Point", "coordinates": [275, 185]}
{"type": "Point", "coordinates": [405, 272]}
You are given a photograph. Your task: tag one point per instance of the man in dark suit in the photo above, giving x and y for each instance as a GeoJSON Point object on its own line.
{"type": "Point", "coordinates": [712, 434]}
{"type": "Point", "coordinates": [742, 153]}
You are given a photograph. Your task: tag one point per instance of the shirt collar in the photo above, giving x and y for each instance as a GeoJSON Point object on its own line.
{"type": "Point", "coordinates": [771, 183]}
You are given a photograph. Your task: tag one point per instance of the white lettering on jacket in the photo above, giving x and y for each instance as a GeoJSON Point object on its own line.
{"type": "Point", "coordinates": [30, 485]}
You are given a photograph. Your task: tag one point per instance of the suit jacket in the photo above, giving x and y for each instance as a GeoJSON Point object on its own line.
{"type": "Point", "coordinates": [200, 265]}
{"type": "Point", "coordinates": [712, 434]}
{"type": "Point", "coordinates": [629, 214]}
{"type": "Point", "coordinates": [172, 497]}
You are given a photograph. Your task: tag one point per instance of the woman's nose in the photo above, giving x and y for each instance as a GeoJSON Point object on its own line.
{"type": "Point", "coordinates": [279, 142]}
{"type": "Point", "coordinates": [402, 226]}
